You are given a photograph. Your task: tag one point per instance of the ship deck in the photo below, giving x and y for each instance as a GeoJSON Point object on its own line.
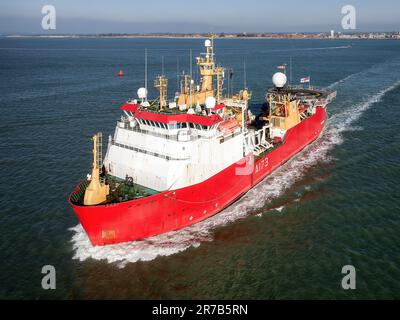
{"type": "Point", "coordinates": [120, 191]}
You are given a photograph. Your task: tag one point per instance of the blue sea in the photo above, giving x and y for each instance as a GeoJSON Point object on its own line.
{"type": "Point", "coordinates": [336, 203]}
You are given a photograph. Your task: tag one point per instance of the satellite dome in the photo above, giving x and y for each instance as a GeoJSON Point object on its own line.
{"type": "Point", "coordinates": [210, 102]}
{"type": "Point", "coordinates": [142, 93]}
{"type": "Point", "coordinates": [279, 79]}
{"type": "Point", "coordinates": [207, 43]}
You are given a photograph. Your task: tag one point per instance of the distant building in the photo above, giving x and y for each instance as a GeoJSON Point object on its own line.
{"type": "Point", "coordinates": [332, 34]}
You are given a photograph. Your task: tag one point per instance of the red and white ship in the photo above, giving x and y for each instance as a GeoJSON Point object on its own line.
{"type": "Point", "coordinates": [171, 164]}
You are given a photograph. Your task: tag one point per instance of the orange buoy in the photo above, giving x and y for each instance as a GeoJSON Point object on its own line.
{"type": "Point", "coordinates": [120, 73]}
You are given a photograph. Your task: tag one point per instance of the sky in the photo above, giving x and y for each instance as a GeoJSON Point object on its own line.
{"type": "Point", "coordinates": [186, 16]}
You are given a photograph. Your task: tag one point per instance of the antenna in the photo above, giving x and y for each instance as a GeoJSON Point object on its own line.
{"type": "Point", "coordinates": [290, 72]}
{"type": "Point", "coordinates": [244, 75]}
{"type": "Point", "coordinates": [191, 77]}
{"type": "Point", "coordinates": [196, 75]}
{"type": "Point", "coordinates": [162, 65]}
{"type": "Point", "coordinates": [145, 69]}
{"type": "Point", "coordinates": [231, 75]}
{"type": "Point", "coordinates": [182, 81]}
{"type": "Point", "coordinates": [212, 50]}
{"type": "Point", "coordinates": [177, 73]}
{"type": "Point", "coordinates": [191, 71]}
{"type": "Point", "coordinates": [229, 81]}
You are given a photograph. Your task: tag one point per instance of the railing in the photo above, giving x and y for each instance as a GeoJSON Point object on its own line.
{"type": "Point", "coordinates": [258, 141]}
{"type": "Point", "coordinates": [79, 191]}
{"type": "Point", "coordinates": [260, 136]}
{"type": "Point", "coordinates": [328, 94]}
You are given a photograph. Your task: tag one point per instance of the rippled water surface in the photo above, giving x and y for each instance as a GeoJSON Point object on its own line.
{"type": "Point", "coordinates": [336, 203]}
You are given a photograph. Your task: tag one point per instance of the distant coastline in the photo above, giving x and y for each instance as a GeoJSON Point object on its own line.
{"type": "Point", "coordinates": [321, 35]}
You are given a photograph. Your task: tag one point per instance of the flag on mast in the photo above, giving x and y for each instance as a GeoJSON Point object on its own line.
{"type": "Point", "coordinates": [305, 80]}
{"type": "Point", "coordinates": [283, 67]}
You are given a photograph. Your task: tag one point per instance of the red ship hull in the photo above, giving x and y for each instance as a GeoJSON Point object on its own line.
{"type": "Point", "coordinates": [173, 210]}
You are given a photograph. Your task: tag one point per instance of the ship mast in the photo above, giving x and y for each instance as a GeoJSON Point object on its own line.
{"type": "Point", "coordinates": [161, 83]}
{"type": "Point", "coordinates": [207, 70]}
{"type": "Point", "coordinates": [145, 71]}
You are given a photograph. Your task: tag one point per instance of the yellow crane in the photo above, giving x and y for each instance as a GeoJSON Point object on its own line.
{"type": "Point", "coordinates": [97, 190]}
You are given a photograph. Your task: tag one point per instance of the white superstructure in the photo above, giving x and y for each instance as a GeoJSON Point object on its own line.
{"type": "Point", "coordinates": [164, 156]}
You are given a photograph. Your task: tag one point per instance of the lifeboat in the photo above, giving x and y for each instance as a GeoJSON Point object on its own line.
{"type": "Point", "coordinates": [229, 126]}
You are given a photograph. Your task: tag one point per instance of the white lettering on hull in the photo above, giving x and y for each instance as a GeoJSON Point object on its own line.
{"type": "Point", "coordinates": [262, 164]}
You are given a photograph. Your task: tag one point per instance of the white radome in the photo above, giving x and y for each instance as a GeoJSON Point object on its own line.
{"type": "Point", "coordinates": [279, 79]}
{"type": "Point", "coordinates": [142, 93]}
{"type": "Point", "coordinates": [210, 102]}
{"type": "Point", "coordinates": [207, 43]}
